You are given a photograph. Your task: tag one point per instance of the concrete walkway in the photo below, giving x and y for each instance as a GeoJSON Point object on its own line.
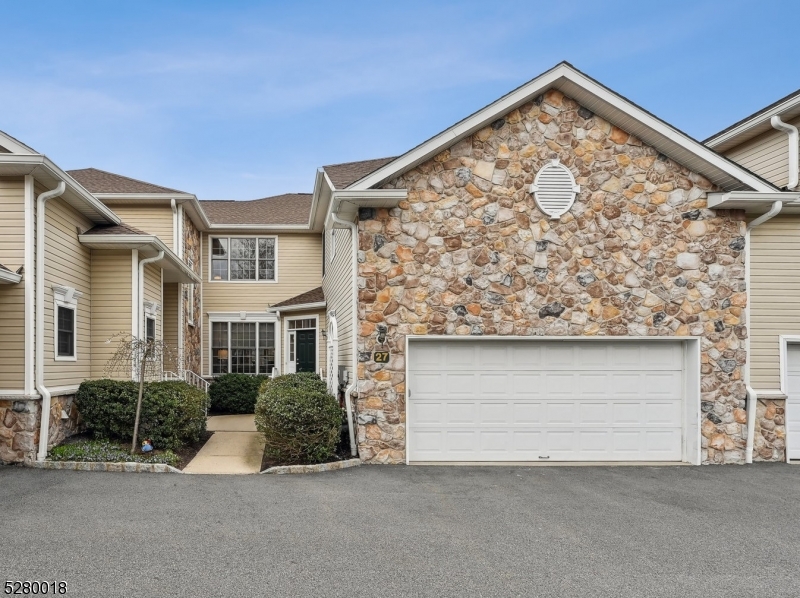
{"type": "Point", "coordinates": [235, 448]}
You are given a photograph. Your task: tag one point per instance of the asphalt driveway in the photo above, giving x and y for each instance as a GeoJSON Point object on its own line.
{"type": "Point", "coordinates": [403, 531]}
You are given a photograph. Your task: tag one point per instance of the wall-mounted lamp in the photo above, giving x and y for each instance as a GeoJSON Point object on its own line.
{"type": "Point", "coordinates": [382, 329]}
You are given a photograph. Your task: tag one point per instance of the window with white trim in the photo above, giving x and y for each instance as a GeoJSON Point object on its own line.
{"type": "Point", "coordinates": [242, 347]}
{"type": "Point", "coordinates": [150, 330]}
{"type": "Point", "coordinates": [65, 323]}
{"type": "Point", "coordinates": [243, 258]}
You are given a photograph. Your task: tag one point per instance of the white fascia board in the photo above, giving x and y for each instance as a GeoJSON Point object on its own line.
{"type": "Point", "coordinates": [140, 242]}
{"type": "Point", "coordinates": [553, 79]}
{"type": "Point", "coordinates": [751, 123]}
{"type": "Point", "coordinates": [263, 228]}
{"type": "Point", "coordinates": [7, 277]}
{"type": "Point", "coordinates": [365, 198]}
{"type": "Point", "coordinates": [750, 201]}
{"type": "Point", "coordinates": [299, 307]}
{"type": "Point", "coordinates": [39, 161]}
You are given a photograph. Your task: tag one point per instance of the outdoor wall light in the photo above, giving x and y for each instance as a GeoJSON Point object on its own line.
{"type": "Point", "coordinates": [382, 333]}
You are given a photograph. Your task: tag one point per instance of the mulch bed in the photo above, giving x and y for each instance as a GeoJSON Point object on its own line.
{"type": "Point", "coordinates": [185, 454]}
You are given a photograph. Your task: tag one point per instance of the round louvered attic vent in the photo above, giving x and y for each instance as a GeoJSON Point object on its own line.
{"type": "Point", "coordinates": [554, 189]}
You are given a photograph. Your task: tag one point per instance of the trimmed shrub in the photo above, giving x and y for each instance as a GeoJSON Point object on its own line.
{"type": "Point", "coordinates": [299, 419]}
{"type": "Point", "coordinates": [173, 413]}
{"type": "Point", "coordinates": [235, 393]}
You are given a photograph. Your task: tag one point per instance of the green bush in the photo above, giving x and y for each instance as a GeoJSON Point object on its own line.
{"type": "Point", "coordinates": [235, 393]}
{"type": "Point", "coordinates": [299, 419]}
{"type": "Point", "coordinates": [104, 450]}
{"type": "Point", "coordinates": [173, 413]}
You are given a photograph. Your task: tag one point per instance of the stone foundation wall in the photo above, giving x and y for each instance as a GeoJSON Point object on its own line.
{"type": "Point", "coordinates": [19, 426]}
{"type": "Point", "coordinates": [191, 334]}
{"type": "Point", "coordinates": [19, 430]}
{"type": "Point", "coordinates": [470, 253]}
{"type": "Point", "coordinates": [769, 441]}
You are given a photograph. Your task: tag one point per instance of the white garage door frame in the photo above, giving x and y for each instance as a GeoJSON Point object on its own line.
{"type": "Point", "coordinates": [785, 340]}
{"type": "Point", "coordinates": [691, 363]}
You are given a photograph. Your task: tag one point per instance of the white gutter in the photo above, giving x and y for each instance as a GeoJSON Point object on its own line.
{"type": "Point", "coordinates": [794, 138]}
{"type": "Point", "coordinates": [752, 397]}
{"type": "Point", "coordinates": [44, 427]}
{"type": "Point", "coordinates": [354, 382]}
{"type": "Point", "coordinates": [9, 277]}
{"type": "Point", "coordinates": [298, 307]}
{"type": "Point", "coordinates": [140, 307]}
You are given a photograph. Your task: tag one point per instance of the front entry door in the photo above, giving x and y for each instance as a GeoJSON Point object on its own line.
{"type": "Point", "coordinates": [306, 350]}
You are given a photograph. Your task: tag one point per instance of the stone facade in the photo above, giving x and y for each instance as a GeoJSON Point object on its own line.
{"type": "Point", "coordinates": [769, 440]}
{"type": "Point", "coordinates": [19, 426]}
{"type": "Point", "coordinates": [469, 253]}
{"type": "Point", "coordinates": [191, 334]}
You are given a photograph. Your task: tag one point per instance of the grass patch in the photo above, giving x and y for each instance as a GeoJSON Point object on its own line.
{"type": "Point", "coordinates": [94, 451]}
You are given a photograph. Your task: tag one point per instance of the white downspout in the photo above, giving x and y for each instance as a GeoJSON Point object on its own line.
{"type": "Point", "coordinates": [794, 137]}
{"type": "Point", "coordinates": [140, 307]}
{"type": "Point", "coordinates": [752, 397]}
{"type": "Point", "coordinates": [354, 382]}
{"type": "Point", "coordinates": [44, 427]}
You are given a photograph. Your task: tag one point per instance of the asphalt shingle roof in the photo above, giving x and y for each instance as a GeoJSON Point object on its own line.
{"type": "Point", "coordinates": [115, 229]}
{"type": "Point", "coordinates": [312, 296]}
{"type": "Point", "coordinates": [100, 181]}
{"type": "Point", "coordinates": [289, 208]}
{"type": "Point", "coordinates": [344, 175]}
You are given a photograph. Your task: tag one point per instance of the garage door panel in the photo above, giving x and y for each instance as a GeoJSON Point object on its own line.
{"type": "Point", "coordinates": [544, 400]}
{"type": "Point", "coordinates": [793, 401]}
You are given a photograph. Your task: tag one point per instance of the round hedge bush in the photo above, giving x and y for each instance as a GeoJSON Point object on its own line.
{"type": "Point", "coordinates": [299, 419]}
{"type": "Point", "coordinates": [235, 393]}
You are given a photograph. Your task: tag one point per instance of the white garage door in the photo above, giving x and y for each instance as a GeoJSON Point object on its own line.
{"type": "Point", "coordinates": [492, 400]}
{"type": "Point", "coordinates": [793, 406]}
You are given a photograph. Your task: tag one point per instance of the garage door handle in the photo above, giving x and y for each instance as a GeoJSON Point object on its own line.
{"type": "Point", "coordinates": [544, 457]}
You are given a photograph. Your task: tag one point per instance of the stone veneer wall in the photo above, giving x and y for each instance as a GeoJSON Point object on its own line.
{"type": "Point", "coordinates": [19, 426]}
{"type": "Point", "coordinates": [469, 253]}
{"type": "Point", "coordinates": [191, 339]}
{"type": "Point", "coordinates": [769, 440]}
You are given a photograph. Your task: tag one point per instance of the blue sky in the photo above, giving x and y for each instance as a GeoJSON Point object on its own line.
{"type": "Point", "coordinates": [240, 100]}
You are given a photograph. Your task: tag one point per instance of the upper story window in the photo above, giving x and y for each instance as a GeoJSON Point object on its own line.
{"type": "Point", "coordinates": [244, 258]}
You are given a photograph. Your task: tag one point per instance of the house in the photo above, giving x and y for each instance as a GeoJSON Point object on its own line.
{"type": "Point", "coordinates": [560, 276]}
{"type": "Point", "coordinates": [767, 144]}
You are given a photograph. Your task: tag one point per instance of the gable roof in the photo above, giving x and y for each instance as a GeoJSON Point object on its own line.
{"type": "Point", "coordinates": [787, 108]}
{"type": "Point", "coordinates": [309, 297]}
{"type": "Point", "coordinates": [286, 209]}
{"type": "Point", "coordinates": [597, 98]}
{"type": "Point", "coordinates": [347, 173]}
{"type": "Point", "coordinates": [116, 229]}
{"type": "Point", "coordinates": [100, 181]}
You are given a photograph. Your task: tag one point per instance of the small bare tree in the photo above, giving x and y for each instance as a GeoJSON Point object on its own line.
{"type": "Point", "coordinates": [142, 360]}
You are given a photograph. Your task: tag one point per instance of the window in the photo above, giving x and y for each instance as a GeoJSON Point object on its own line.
{"type": "Point", "coordinates": [243, 258]}
{"type": "Point", "coordinates": [65, 323]}
{"type": "Point", "coordinates": [150, 330]}
{"type": "Point", "coordinates": [242, 347]}
{"type": "Point", "coordinates": [66, 332]}
{"type": "Point", "coordinates": [302, 324]}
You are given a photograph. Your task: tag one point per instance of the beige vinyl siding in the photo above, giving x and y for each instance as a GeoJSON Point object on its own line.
{"type": "Point", "coordinates": [153, 219]}
{"type": "Point", "coordinates": [767, 155]}
{"type": "Point", "coordinates": [111, 304]}
{"type": "Point", "coordinates": [170, 325]}
{"type": "Point", "coordinates": [152, 292]}
{"type": "Point", "coordinates": [299, 269]}
{"type": "Point", "coordinates": [338, 287]}
{"type": "Point", "coordinates": [12, 296]}
{"type": "Point", "coordinates": [66, 263]}
{"type": "Point", "coordinates": [774, 293]}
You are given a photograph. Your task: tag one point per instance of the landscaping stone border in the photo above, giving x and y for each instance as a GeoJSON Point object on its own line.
{"type": "Point", "coordinates": [284, 469]}
{"type": "Point", "coordinates": [103, 466]}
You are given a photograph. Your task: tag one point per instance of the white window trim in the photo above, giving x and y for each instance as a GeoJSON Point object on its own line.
{"type": "Point", "coordinates": [242, 316]}
{"type": "Point", "coordinates": [66, 297]}
{"type": "Point", "coordinates": [151, 310]}
{"type": "Point", "coordinates": [286, 332]}
{"type": "Point", "coordinates": [210, 258]}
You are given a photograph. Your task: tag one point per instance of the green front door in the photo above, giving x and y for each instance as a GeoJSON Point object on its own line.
{"type": "Point", "coordinates": [306, 350]}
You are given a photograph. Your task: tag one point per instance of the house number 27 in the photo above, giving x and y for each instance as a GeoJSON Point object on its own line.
{"type": "Point", "coordinates": [381, 356]}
